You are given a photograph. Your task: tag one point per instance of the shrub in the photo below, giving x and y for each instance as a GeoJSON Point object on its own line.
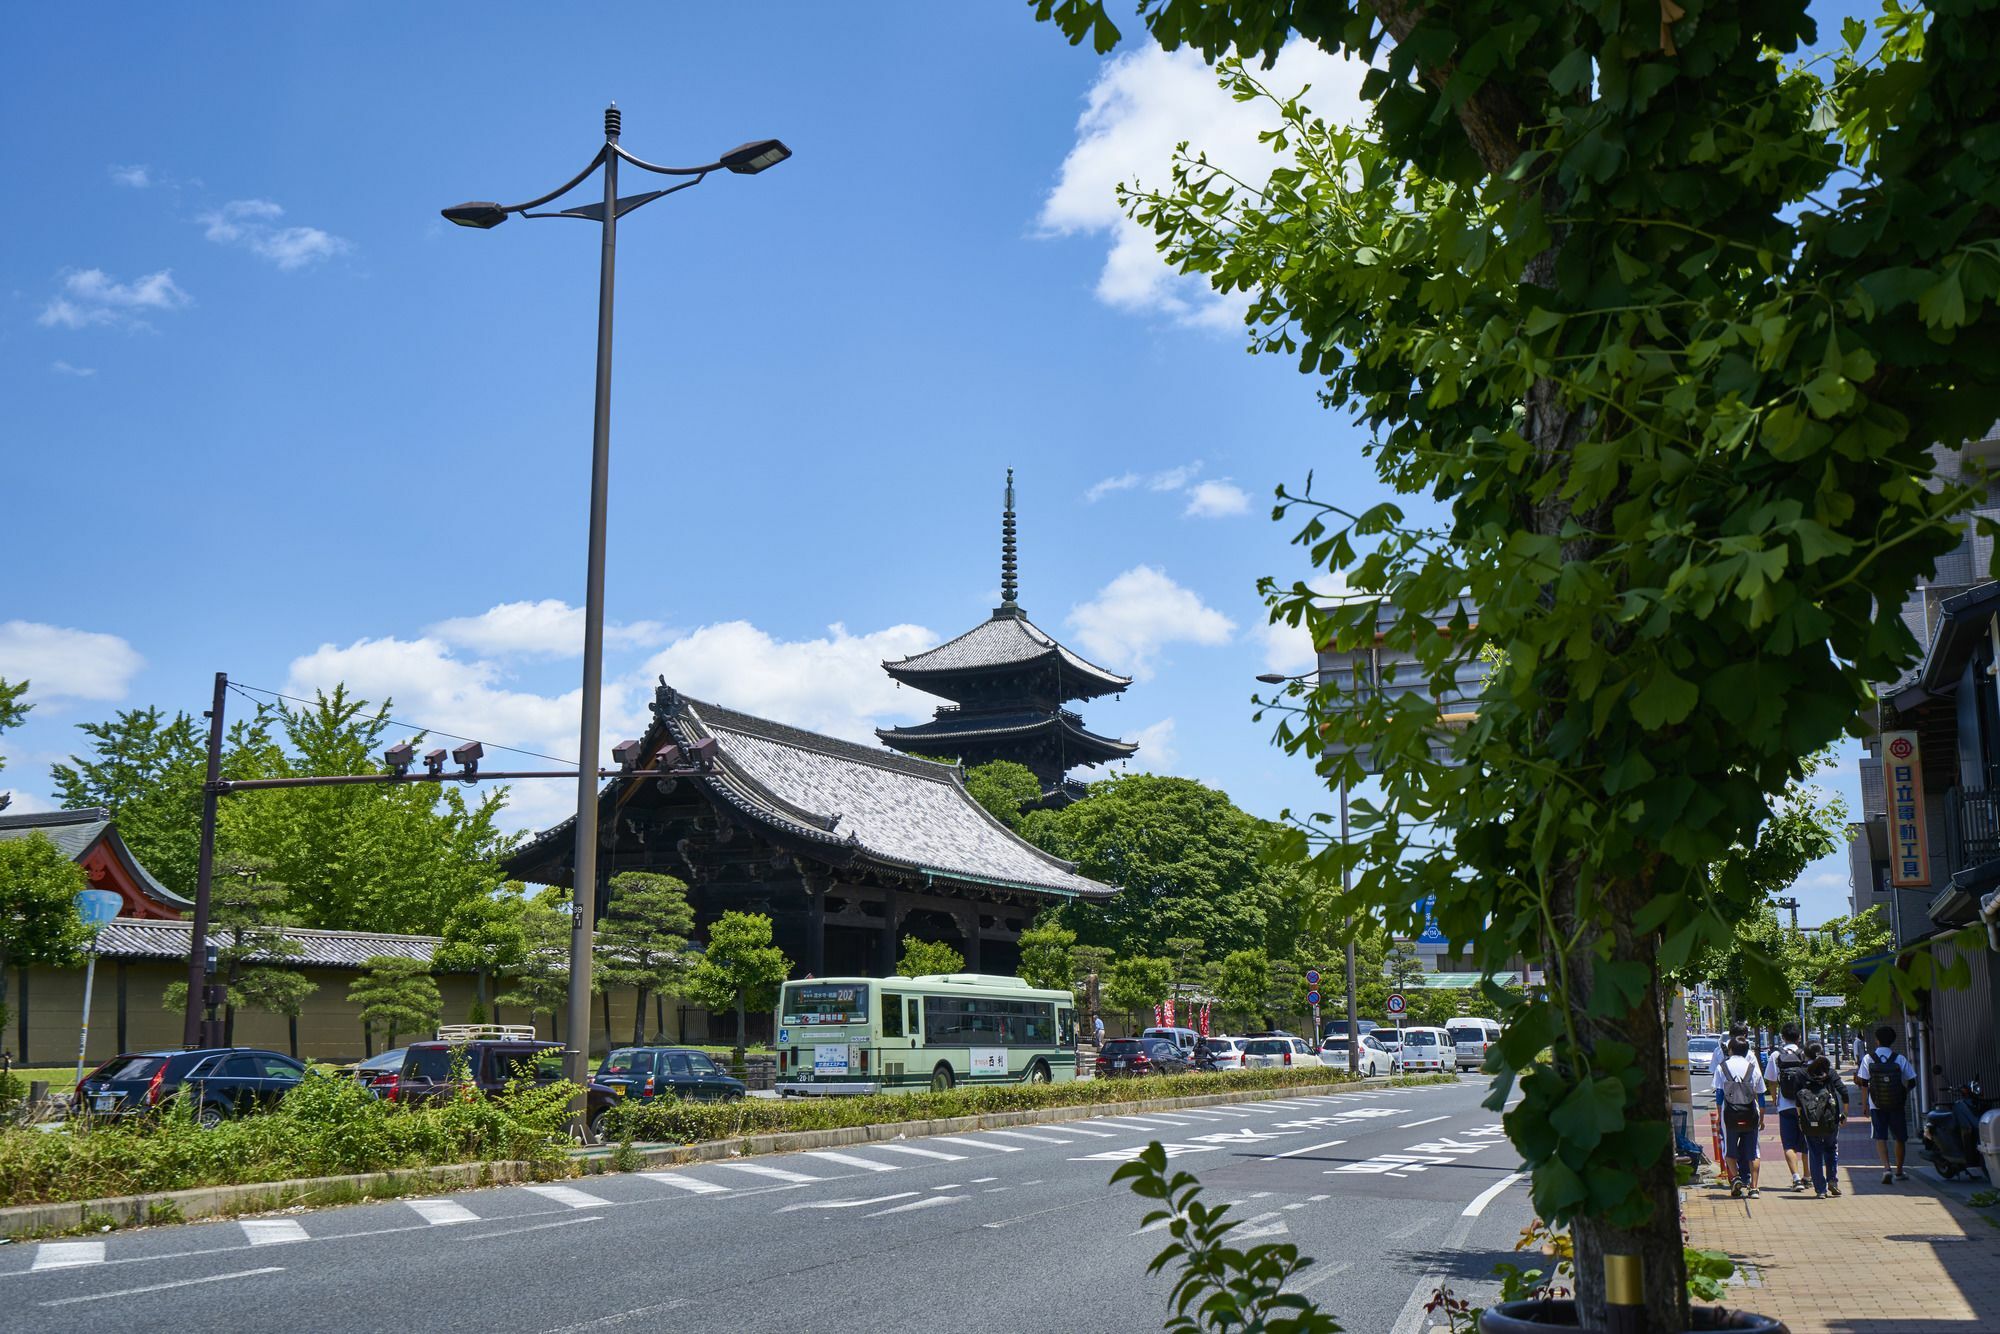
{"type": "Point", "coordinates": [690, 1122]}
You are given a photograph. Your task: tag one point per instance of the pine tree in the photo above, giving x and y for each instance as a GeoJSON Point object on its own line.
{"type": "Point", "coordinates": [740, 967]}
{"type": "Point", "coordinates": [398, 993]}
{"type": "Point", "coordinates": [539, 980]}
{"type": "Point", "coordinates": [642, 939]}
{"type": "Point", "coordinates": [250, 913]}
{"type": "Point", "coordinates": [922, 958]}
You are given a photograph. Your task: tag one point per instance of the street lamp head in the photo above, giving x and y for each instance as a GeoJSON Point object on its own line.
{"type": "Point", "coordinates": [482, 214]}
{"type": "Point", "coordinates": [1272, 678]}
{"type": "Point", "coordinates": [751, 158]}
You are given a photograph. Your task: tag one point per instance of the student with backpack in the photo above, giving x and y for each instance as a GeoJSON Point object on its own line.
{"type": "Point", "coordinates": [1738, 1086]}
{"type": "Point", "coordinates": [1887, 1075]}
{"type": "Point", "coordinates": [1785, 1074]}
{"type": "Point", "coordinates": [1820, 1110]}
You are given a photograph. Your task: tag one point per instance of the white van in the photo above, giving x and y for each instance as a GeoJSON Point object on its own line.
{"type": "Point", "coordinates": [1425, 1049]}
{"type": "Point", "coordinates": [1470, 1038]}
{"type": "Point", "coordinates": [1184, 1038]}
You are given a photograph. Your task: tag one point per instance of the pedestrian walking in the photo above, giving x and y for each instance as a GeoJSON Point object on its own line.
{"type": "Point", "coordinates": [1887, 1076]}
{"type": "Point", "coordinates": [1785, 1075]}
{"type": "Point", "coordinates": [1097, 1027]}
{"type": "Point", "coordinates": [1738, 1086]}
{"type": "Point", "coordinates": [1819, 1112]}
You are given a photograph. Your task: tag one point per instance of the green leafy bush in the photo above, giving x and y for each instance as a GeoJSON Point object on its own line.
{"type": "Point", "coordinates": [691, 1122]}
{"type": "Point", "coordinates": [327, 1126]}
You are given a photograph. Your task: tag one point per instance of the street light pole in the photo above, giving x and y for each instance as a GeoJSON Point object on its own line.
{"type": "Point", "coordinates": [1346, 890]}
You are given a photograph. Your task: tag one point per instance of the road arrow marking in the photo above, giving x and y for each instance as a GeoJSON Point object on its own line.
{"type": "Point", "coordinates": [847, 1204]}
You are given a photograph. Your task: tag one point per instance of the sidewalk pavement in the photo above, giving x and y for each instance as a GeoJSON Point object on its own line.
{"type": "Point", "coordinates": [1903, 1258]}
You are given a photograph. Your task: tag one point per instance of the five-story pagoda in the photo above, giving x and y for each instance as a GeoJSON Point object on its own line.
{"type": "Point", "coordinates": [1008, 681]}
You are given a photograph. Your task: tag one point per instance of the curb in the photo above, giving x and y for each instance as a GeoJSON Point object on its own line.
{"type": "Point", "coordinates": [25, 1221]}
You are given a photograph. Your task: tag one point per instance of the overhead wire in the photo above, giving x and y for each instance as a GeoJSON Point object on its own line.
{"type": "Point", "coordinates": [396, 722]}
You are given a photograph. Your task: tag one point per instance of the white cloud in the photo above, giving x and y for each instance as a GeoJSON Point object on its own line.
{"type": "Point", "coordinates": [1141, 612]}
{"type": "Point", "coordinates": [1166, 481]}
{"type": "Point", "coordinates": [1287, 649]}
{"type": "Point", "coordinates": [137, 176]}
{"type": "Point", "coordinates": [252, 224]}
{"type": "Point", "coordinates": [548, 628]}
{"type": "Point", "coordinates": [64, 368]}
{"type": "Point", "coordinates": [93, 297]}
{"type": "Point", "coordinates": [1218, 499]}
{"type": "Point", "coordinates": [1122, 482]}
{"type": "Point", "coordinates": [60, 663]}
{"type": "Point", "coordinates": [1157, 752]}
{"type": "Point", "coordinates": [1143, 104]}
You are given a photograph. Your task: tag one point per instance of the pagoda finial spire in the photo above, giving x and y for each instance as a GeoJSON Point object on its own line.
{"type": "Point", "coordinates": [1010, 587]}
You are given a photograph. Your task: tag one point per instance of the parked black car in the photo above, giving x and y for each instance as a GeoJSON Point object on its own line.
{"type": "Point", "coordinates": [221, 1081]}
{"type": "Point", "coordinates": [490, 1065]}
{"type": "Point", "coordinates": [669, 1072]}
{"type": "Point", "coordinates": [1122, 1057]}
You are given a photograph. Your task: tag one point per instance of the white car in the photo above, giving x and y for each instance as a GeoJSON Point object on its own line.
{"type": "Point", "coordinates": [1376, 1059]}
{"type": "Point", "coordinates": [1702, 1048]}
{"type": "Point", "coordinates": [1470, 1038]}
{"type": "Point", "coordinates": [1228, 1052]}
{"type": "Point", "coordinates": [1263, 1053]}
{"type": "Point", "coordinates": [1426, 1049]}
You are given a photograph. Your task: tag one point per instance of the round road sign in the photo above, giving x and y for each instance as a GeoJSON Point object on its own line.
{"type": "Point", "coordinates": [1312, 998]}
{"type": "Point", "coordinates": [1312, 977]}
{"type": "Point", "coordinates": [1396, 1004]}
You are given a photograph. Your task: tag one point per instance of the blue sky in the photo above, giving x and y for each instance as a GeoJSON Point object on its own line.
{"type": "Point", "coordinates": [267, 413]}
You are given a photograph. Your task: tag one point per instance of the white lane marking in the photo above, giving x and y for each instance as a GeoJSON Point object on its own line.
{"type": "Point", "coordinates": [1206, 1116]}
{"type": "Point", "coordinates": [1072, 1128]}
{"type": "Point", "coordinates": [1315, 1199]}
{"type": "Point", "coordinates": [980, 1181]}
{"type": "Point", "coordinates": [1310, 1148]}
{"type": "Point", "coordinates": [1319, 1275]}
{"type": "Point", "coordinates": [532, 1227]}
{"type": "Point", "coordinates": [271, 1231]}
{"type": "Point", "coordinates": [1128, 1122]}
{"type": "Point", "coordinates": [162, 1287]}
{"type": "Point", "coordinates": [1426, 1121]}
{"type": "Point", "coordinates": [692, 1185]}
{"type": "Point", "coordinates": [1009, 1222]}
{"type": "Point", "coordinates": [977, 1144]}
{"type": "Point", "coordinates": [928, 1202]}
{"type": "Point", "coordinates": [620, 1317]}
{"type": "Point", "coordinates": [68, 1254]}
{"type": "Point", "coordinates": [847, 1204]}
{"type": "Point", "coordinates": [1409, 1230]}
{"type": "Point", "coordinates": [1298, 1205]}
{"type": "Point", "coordinates": [775, 1173]}
{"type": "Point", "coordinates": [568, 1195]}
{"type": "Point", "coordinates": [1263, 1225]}
{"type": "Point", "coordinates": [949, 1186]}
{"type": "Point", "coordinates": [442, 1213]}
{"type": "Point", "coordinates": [920, 1153]}
{"type": "Point", "coordinates": [849, 1160]}
{"type": "Point", "coordinates": [1260, 1195]}
{"type": "Point", "coordinates": [1161, 1116]}
{"type": "Point", "coordinates": [1485, 1197]}
{"type": "Point", "coordinates": [1022, 1134]}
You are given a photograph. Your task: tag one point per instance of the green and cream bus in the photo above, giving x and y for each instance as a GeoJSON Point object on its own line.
{"type": "Point", "coordinates": [889, 1034]}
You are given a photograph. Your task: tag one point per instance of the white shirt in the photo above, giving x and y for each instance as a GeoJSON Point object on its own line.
{"type": "Point", "coordinates": [1771, 1075]}
{"type": "Point", "coordinates": [1884, 1054]}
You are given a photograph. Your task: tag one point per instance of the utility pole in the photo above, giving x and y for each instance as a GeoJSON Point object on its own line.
{"type": "Point", "coordinates": [194, 1028]}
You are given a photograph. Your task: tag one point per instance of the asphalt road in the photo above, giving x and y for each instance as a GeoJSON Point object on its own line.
{"type": "Point", "coordinates": [1391, 1190]}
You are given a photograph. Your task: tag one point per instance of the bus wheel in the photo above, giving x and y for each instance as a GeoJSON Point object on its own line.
{"type": "Point", "coordinates": [1038, 1073]}
{"type": "Point", "coordinates": [941, 1080]}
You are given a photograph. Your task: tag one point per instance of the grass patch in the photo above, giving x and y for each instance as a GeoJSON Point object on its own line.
{"type": "Point", "coordinates": [692, 1122]}
{"type": "Point", "coordinates": [327, 1126]}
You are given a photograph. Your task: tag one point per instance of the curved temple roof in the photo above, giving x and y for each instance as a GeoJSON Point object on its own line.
{"type": "Point", "coordinates": [1008, 641]}
{"type": "Point", "coordinates": [951, 730]}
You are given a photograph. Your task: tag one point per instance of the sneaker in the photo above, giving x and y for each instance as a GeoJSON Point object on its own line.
{"type": "Point", "coordinates": [1753, 1192]}
{"type": "Point", "coordinates": [1819, 1195]}
{"type": "Point", "coordinates": [1833, 1188]}
{"type": "Point", "coordinates": [1736, 1190]}
{"type": "Point", "coordinates": [1887, 1177]}
{"type": "Point", "coordinates": [1798, 1183]}
{"type": "Point", "coordinates": [1901, 1175]}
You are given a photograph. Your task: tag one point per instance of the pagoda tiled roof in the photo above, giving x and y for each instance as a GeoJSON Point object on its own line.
{"type": "Point", "coordinates": [75, 832]}
{"type": "Point", "coordinates": [844, 802]}
{"type": "Point", "coordinates": [950, 727]}
{"type": "Point", "coordinates": [1007, 641]}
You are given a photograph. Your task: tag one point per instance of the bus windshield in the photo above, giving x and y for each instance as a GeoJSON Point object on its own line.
{"type": "Point", "coordinates": [825, 1003]}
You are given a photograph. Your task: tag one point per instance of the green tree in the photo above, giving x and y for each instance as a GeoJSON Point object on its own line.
{"type": "Point", "coordinates": [1667, 322]}
{"type": "Point", "coordinates": [740, 967]}
{"type": "Point", "coordinates": [538, 981]}
{"type": "Point", "coordinates": [483, 936]}
{"type": "Point", "coordinates": [1046, 956]}
{"type": "Point", "coordinates": [13, 707]}
{"type": "Point", "coordinates": [1187, 862]}
{"type": "Point", "coordinates": [1400, 966]}
{"type": "Point", "coordinates": [38, 921]}
{"type": "Point", "coordinates": [1282, 980]}
{"type": "Point", "coordinates": [642, 940]}
{"type": "Point", "coordinates": [397, 993]}
{"type": "Point", "coordinates": [250, 913]}
{"type": "Point", "coordinates": [924, 957]}
{"type": "Point", "coordinates": [1241, 983]}
{"type": "Point", "coordinates": [1135, 985]}
{"type": "Point", "coordinates": [1004, 788]}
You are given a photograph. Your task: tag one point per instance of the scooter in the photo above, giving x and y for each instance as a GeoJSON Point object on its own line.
{"type": "Point", "coordinates": [1951, 1132]}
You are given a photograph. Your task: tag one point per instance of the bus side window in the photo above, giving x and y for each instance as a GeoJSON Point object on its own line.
{"type": "Point", "coordinates": [892, 1016]}
{"type": "Point", "coordinates": [1065, 1028]}
{"type": "Point", "coordinates": [916, 1020]}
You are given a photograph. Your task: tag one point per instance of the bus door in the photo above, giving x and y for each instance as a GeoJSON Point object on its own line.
{"type": "Point", "coordinates": [900, 1032]}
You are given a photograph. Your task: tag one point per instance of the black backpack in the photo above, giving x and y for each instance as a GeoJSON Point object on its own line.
{"type": "Point", "coordinates": [1791, 1072]}
{"type": "Point", "coordinates": [1885, 1081]}
{"type": "Point", "coordinates": [1819, 1109]}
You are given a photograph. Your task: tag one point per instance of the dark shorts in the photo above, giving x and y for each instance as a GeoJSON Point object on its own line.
{"type": "Point", "coordinates": [1790, 1137]}
{"type": "Point", "coordinates": [1887, 1123]}
{"type": "Point", "coordinates": [1741, 1147]}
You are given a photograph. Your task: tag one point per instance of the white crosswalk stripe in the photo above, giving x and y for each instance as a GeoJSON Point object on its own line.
{"type": "Point", "coordinates": [1127, 1122]}
{"type": "Point", "coordinates": [977, 1144]}
{"type": "Point", "coordinates": [442, 1213]}
{"type": "Point", "coordinates": [568, 1195]}
{"type": "Point", "coordinates": [1022, 1134]}
{"type": "Point", "coordinates": [914, 1151]}
{"type": "Point", "coordinates": [849, 1160]}
{"type": "Point", "coordinates": [692, 1185]}
{"type": "Point", "coordinates": [775, 1173]}
{"type": "Point", "coordinates": [68, 1254]}
{"type": "Point", "coordinates": [1072, 1128]}
{"type": "Point", "coordinates": [271, 1231]}
{"type": "Point", "coordinates": [1206, 1116]}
